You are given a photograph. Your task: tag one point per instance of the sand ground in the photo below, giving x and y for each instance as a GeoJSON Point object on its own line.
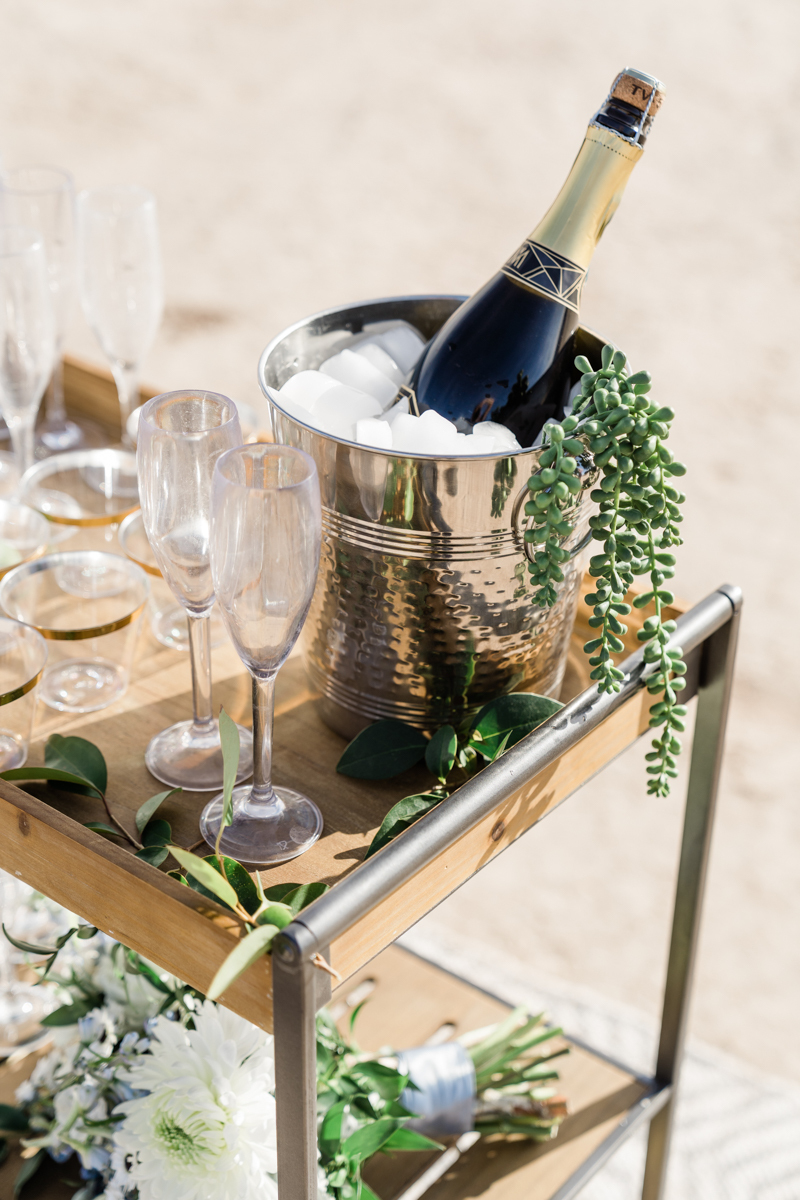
{"type": "Point", "coordinates": [307, 154]}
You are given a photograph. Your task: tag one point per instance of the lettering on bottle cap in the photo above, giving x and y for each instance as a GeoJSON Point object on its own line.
{"type": "Point", "coordinates": [636, 91]}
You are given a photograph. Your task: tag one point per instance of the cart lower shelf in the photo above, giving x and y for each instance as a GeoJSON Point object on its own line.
{"type": "Point", "coordinates": [410, 1001]}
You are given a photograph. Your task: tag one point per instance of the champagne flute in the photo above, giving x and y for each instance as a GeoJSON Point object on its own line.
{"type": "Point", "coordinates": [181, 436]}
{"type": "Point", "coordinates": [27, 335]}
{"type": "Point", "coordinates": [265, 546]}
{"type": "Point", "coordinates": [121, 281]}
{"type": "Point", "coordinates": [43, 198]}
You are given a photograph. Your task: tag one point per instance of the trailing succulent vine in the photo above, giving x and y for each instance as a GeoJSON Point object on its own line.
{"type": "Point", "coordinates": [637, 524]}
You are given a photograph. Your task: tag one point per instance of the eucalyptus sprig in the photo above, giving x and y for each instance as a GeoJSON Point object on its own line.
{"type": "Point", "coordinates": [637, 523]}
{"type": "Point", "coordinates": [77, 765]}
{"type": "Point", "coordinates": [388, 748]}
{"type": "Point", "coordinates": [359, 1111]}
{"type": "Point", "coordinates": [73, 763]}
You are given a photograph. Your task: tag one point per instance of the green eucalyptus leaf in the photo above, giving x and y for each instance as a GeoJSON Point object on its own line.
{"type": "Point", "coordinates": [367, 1140]}
{"type": "Point", "coordinates": [251, 947]}
{"type": "Point", "coordinates": [375, 1077]}
{"type": "Point", "coordinates": [27, 1171]}
{"type": "Point", "coordinates": [330, 1131]}
{"type": "Point", "coordinates": [13, 1120]}
{"type": "Point", "coordinates": [440, 753]}
{"type": "Point", "coordinates": [409, 1139]}
{"type": "Point", "coordinates": [157, 833]}
{"type": "Point", "coordinates": [147, 810]}
{"type": "Point", "coordinates": [136, 965]}
{"type": "Point", "coordinates": [70, 1014]}
{"type": "Point", "coordinates": [229, 739]}
{"type": "Point", "coordinates": [85, 932]}
{"type": "Point", "coordinates": [80, 757]}
{"type": "Point", "coordinates": [154, 855]}
{"type": "Point", "coordinates": [31, 947]}
{"type": "Point", "coordinates": [279, 891]}
{"type": "Point", "coordinates": [180, 877]}
{"type": "Point", "coordinates": [101, 827]}
{"type": "Point", "coordinates": [304, 895]}
{"type": "Point", "coordinates": [401, 816]}
{"type": "Point", "coordinates": [54, 775]}
{"type": "Point", "coordinates": [275, 914]}
{"type": "Point", "coordinates": [240, 880]}
{"type": "Point", "coordinates": [509, 718]}
{"type": "Point", "coordinates": [383, 750]}
{"type": "Point", "coordinates": [201, 870]}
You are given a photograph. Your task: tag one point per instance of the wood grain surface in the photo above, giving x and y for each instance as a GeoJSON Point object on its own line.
{"type": "Point", "coordinates": [42, 838]}
{"type": "Point", "coordinates": [411, 1001]}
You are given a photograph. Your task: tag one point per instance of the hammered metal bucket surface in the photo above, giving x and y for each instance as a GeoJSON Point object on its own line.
{"type": "Point", "coordinates": [422, 609]}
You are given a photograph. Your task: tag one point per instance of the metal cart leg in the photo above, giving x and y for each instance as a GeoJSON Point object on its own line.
{"type": "Point", "coordinates": [712, 710]}
{"type": "Point", "coordinates": [295, 992]}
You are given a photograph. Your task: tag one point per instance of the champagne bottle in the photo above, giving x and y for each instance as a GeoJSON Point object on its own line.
{"type": "Point", "coordinates": [506, 354]}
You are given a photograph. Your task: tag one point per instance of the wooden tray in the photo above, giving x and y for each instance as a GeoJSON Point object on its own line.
{"type": "Point", "coordinates": [43, 839]}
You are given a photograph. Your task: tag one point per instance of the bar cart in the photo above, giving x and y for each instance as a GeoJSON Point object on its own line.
{"type": "Point", "coordinates": [44, 842]}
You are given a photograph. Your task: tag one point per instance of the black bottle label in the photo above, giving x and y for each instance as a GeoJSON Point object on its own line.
{"type": "Point", "coordinates": [547, 272]}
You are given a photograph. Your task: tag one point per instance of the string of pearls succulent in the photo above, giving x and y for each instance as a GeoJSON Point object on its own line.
{"type": "Point", "coordinates": [637, 523]}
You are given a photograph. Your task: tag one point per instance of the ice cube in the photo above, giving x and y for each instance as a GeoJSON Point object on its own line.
{"type": "Point", "coordinates": [428, 434]}
{"type": "Point", "coordinates": [370, 432]}
{"type": "Point", "coordinates": [469, 444]}
{"type": "Point", "coordinates": [402, 342]}
{"type": "Point", "coordinates": [383, 362]}
{"type": "Point", "coordinates": [441, 432]}
{"type": "Point", "coordinates": [338, 409]}
{"type": "Point", "coordinates": [397, 410]}
{"type": "Point", "coordinates": [504, 439]}
{"type": "Point", "coordinates": [353, 370]}
{"type": "Point", "coordinates": [408, 436]}
{"type": "Point", "coordinates": [306, 387]}
{"type": "Point", "coordinates": [289, 406]}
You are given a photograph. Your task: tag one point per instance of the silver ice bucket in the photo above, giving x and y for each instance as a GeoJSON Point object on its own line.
{"type": "Point", "coordinates": [422, 609]}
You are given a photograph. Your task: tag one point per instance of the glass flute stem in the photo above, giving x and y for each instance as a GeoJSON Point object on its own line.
{"type": "Point", "coordinates": [263, 713]}
{"type": "Point", "coordinates": [21, 430]}
{"type": "Point", "coordinates": [127, 381]}
{"type": "Point", "coordinates": [200, 654]}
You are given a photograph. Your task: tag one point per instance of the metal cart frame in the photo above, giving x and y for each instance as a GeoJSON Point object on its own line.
{"type": "Point", "coordinates": [708, 634]}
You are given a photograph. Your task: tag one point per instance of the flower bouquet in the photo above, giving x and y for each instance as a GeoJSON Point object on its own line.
{"type": "Point", "coordinates": [152, 1091]}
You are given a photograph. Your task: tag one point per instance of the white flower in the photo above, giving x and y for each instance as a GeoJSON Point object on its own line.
{"type": "Point", "coordinates": [206, 1128]}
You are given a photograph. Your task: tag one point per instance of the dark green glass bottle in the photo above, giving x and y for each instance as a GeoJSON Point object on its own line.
{"type": "Point", "coordinates": [505, 355]}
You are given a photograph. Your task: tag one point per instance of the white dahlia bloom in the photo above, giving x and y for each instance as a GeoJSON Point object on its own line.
{"type": "Point", "coordinates": [205, 1130]}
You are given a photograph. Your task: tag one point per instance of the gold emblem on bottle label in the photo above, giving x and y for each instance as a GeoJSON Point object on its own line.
{"type": "Point", "coordinates": [546, 272]}
{"type": "Point", "coordinates": [407, 393]}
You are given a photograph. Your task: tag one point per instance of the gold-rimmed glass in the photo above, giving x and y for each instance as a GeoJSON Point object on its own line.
{"type": "Point", "coordinates": [168, 621]}
{"type": "Point", "coordinates": [24, 534]}
{"type": "Point", "coordinates": [88, 604]}
{"type": "Point", "coordinates": [84, 494]}
{"type": "Point", "coordinates": [23, 654]}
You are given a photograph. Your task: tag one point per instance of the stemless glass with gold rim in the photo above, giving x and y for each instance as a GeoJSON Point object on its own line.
{"type": "Point", "coordinates": [88, 605]}
{"type": "Point", "coordinates": [24, 534]}
{"type": "Point", "coordinates": [84, 494]}
{"type": "Point", "coordinates": [23, 654]}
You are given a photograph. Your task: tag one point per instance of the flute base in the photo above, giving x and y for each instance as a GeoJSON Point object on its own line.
{"type": "Point", "coordinates": [264, 834]}
{"type": "Point", "coordinates": [183, 756]}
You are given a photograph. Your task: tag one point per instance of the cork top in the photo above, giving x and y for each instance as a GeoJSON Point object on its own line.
{"type": "Point", "coordinates": [635, 88]}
